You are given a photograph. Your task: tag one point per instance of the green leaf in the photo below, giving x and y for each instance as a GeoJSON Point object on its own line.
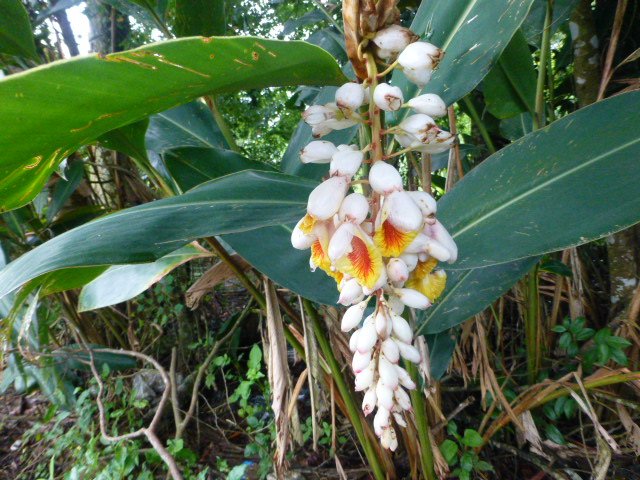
{"type": "Point", "coordinates": [554, 434]}
{"type": "Point", "coordinates": [128, 140]}
{"type": "Point", "coordinates": [472, 439]}
{"type": "Point", "coordinates": [64, 188]}
{"type": "Point", "coordinates": [132, 280]}
{"type": "Point", "coordinates": [510, 86]}
{"type": "Point", "coordinates": [441, 347]}
{"type": "Point", "coordinates": [199, 17]}
{"type": "Point", "coordinates": [533, 25]}
{"type": "Point", "coordinates": [555, 266]}
{"type": "Point", "coordinates": [15, 30]}
{"type": "Point", "coordinates": [469, 292]}
{"type": "Point", "coordinates": [564, 185]}
{"type": "Point", "coordinates": [75, 356]}
{"type": "Point", "coordinates": [473, 34]}
{"type": "Point", "coordinates": [72, 102]}
{"type": "Point", "coordinates": [449, 450]}
{"type": "Point", "coordinates": [234, 203]}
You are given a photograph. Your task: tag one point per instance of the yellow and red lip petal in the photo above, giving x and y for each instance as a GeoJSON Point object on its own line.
{"type": "Point", "coordinates": [391, 241]}
{"type": "Point", "coordinates": [431, 285]}
{"type": "Point", "coordinates": [307, 224]}
{"type": "Point", "coordinates": [424, 268]}
{"type": "Point", "coordinates": [320, 258]}
{"type": "Point", "coordinates": [364, 262]}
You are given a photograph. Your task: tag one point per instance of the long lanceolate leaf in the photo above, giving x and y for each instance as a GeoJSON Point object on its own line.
{"type": "Point", "coordinates": [231, 204]}
{"type": "Point", "coordinates": [50, 111]}
{"type": "Point", "coordinates": [572, 182]}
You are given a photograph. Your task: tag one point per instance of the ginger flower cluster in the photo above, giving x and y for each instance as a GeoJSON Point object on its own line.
{"type": "Point", "coordinates": [385, 245]}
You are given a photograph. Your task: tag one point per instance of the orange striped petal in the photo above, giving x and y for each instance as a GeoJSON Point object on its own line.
{"type": "Point", "coordinates": [424, 268]}
{"type": "Point", "coordinates": [431, 285]}
{"type": "Point", "coordinates": [321, 260]}
{"type": "Point", "coordinates": [392, 241]}
{"type": "Point", "coordinates": [364, 262]}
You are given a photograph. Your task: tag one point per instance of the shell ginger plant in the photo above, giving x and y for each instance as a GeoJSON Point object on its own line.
{"type": "Point", "coordinates": [379, 242]}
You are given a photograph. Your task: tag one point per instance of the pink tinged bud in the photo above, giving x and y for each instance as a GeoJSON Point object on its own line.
{"type": "Point", "coordinates": [388, 374]}
{"type": "Point", "coordinates": [410, 260]}
{"type": "Point", "coordinates": [318, 151]}
{"type": "Point", "coordinates": [340, 243]}
{"type": "Point", "coordinates": [402, 212]}
{"type": "Point", "coordinates": [351, 293]}
{"type": "Point", "coordinates": [401, 329]}
{"type": "Point", "coordinates": [353, 340]}
{"type": "Point", "coordinates": [367, 338]}
{"type": "Point", "coordinates": [404, 378]}
{"type": "Point", "coordinates": [425, 202]}
{"type": "Point", "coordinates": [392, 40]}
{"type": "Point", "coordinates": [402, 398]}
{"type": "Point", "coordinates": [364, 379]}
{"type": "Point", "coordinates": [409, 352]}
{"type": "Point", "coordinates": [397, 270]}
{"type": "Point", "coordinates": [346, 163]}
{"type": "Point", "coordinates": [429, 104]}
{"type": "Point", "coordinates": [395, 304]}
{"type": "Point", "coordinates": [412, 298]}
{"type": "Point", "coordinates": [439, 233]}
{"type": "Point", "coordinates": [369, 401]}
{"type": "Point", "coordinates": [353, 316]}
{"type": "Point", "coordinates": [354, 208]}
{"type": "Point", "coordinates": [360, 360]}
{"type": "Point", "coordinates": [384, 178]}
{"type": "Point", "coordinates": [301, 240]}
{"type": "Point", "coordinates": [399, 419]}
{"type": "Point", "coordinates": [381, 419]}
{"type": "Point", "coordinates": [324, 201]}
{"type": "Point", "coordinates": [385, 396]}
{"type": "Point", "coordinates": [391, 351]}
{"type": "Point", "coordinates": [350, 96]}
{"type": "Point", "coordinates": [381, 323]}
{"type": "Point", "coordinates": [388, 98]}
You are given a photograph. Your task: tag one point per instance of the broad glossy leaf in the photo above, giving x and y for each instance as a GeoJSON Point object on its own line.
{"type": "Point", "coordinates": [517, 127]}
{"type": "Point", "coordinates": [129, 140]}
{"type": "Point", "coordinates": [473, 34]}
{"type": "Point", "coordinates": [510, 86]}
{"type": "Point", "coordinates": [533, 25]}
{"type": "Point", "coordinates": [441, 347]}
{"type": "Point", "coordinates": [48, 112]}
{"type": "Point", "coordinates": [192, 166]}
{"type": "Point", "coordinates": [120, 283]}
{"type": "Point", "coordinates": [64, 188]}
{"type": "Point", "coordinates": [15, 30]}
{"type": "Point", "coordinates": [291, 163]}
{"type": "Point", "coordinates": [231, 204]}
{"type": "Point", "coordinates": [569, 183]}
{"type": "Point", "coordinates": [469, 292]}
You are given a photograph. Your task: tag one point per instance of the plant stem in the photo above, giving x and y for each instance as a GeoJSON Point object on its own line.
{"type": "Point", "coordinates": [352, 409]}
{"type": "Point", "coordinates": [545, 48]}
{"type": "Point", "coordinates": [422, 424]}
{"type": "Point", "coordinates": [531, 326]}
{"type": "Point", "coordinates": [222, 123]}
{"type": "Point", "coordinates": [475, 117]}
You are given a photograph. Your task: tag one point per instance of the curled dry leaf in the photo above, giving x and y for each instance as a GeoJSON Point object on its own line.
{"type": "Point", "coordinates": [219, 273]}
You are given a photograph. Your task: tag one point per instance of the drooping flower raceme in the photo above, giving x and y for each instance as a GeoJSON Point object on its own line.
{"type": "Point", "coordinates": [385, 245]}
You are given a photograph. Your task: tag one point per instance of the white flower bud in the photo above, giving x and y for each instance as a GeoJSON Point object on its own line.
{"type": "Point", "coordinates": [397, 270]}
{"type": "Point", "coordinates": [388, 98]}
{"type": "Point", "coordinates": [353, 340]}
{"type": "Point", "coordinates": [418, 245]}
{"type": "Point", "coordinates": [346, 163]}
{"type": "Point", "coordinates": [426, 203]}
{"type": "Point", "coordinates": [324, 201]}
{"type": "Point", "coordinates": [439, 233]}
{"type": "Point", "coordinates": [353, 316]}
{"type": "Point", "coordinates": [354, 208]}
{"type": "Point", "coordinates": [409, 352]}
{"type": "Point", "coordinates": [395, 304]}
{"type": "Point", "coordinates": [390, 350]}
{"type": "Point", "coordinates": [393, 441]}
{"type": "Point", "coordinates": [381, 418]}
{"type": "Point", "coordinates": [299, 239]}
{"type": "Point", "coordinates": [438, 251]}
{"type": "Point", "coordinates": [384, 178]}
{"type": "Point", "coordinates": [318, 151]}
{"type": "Point", "coordinates": [418, 76]}
{"type": "Point", "coordinates": [367, 338]}
{"type": "Point", "coordinates": [350, 96]}
{"type": "Point", "coordinates": [351, 293]}
{"type": "Point", "coordinates": [340, 243]}
{"type": "Point", "coordinates": [318, 114]}
{"type": "Point", "coordinates": [364, 379]}
{"type": "Point", "coordinates": [385, 396]}
{"type": "Point", "coordinates": [402, 398]}
{"type": "Point", "coordinates": [399, 419]}
{"type": "Point", "coordinates": [320, 130]}
{"type": "Point", "coordinates": [442, 142]}
{"type": "Point", "coordinates": [429, 104]}
{"type": "Point", "coordinates": [401, 329]}
{"type": "Point", "coordinates": [418, 130]}
{"type": "Point", "coordinates": [369, 401]}
{"type": "Point", "coordinates": [392, 40]}
{"type": "Point", "coordinates": [388, 374]}
{"type": "Point", "coordinates": [347, 148]}
{"type": "Point", "coordinates": [386, 438]}
{"type": "Point", "coordinates": [412, 298]}
{"type": "Point", "coordinates": [404, 378]}
{"type": "Point", "coordinates": [402, 212]}
{"type": "Point", "coordinates": [418, 60]}
{"type": "Point", "coordinates": [360, 360]}
{"type": "Point", "coordinates": [410, 260]}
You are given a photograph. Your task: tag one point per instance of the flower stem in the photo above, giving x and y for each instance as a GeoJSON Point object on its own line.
{"type": "Point", "coordinates": [422, 424]}
{"type": "Point", "coordinates": [545, 48]}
